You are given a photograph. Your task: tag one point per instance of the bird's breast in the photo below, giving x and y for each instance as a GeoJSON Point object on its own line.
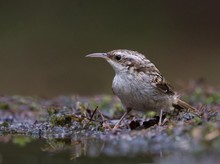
{"type": "Point", "coordinates": [138, 93]}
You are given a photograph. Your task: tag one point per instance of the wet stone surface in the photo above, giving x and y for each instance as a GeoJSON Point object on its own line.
{"type": "Point", "coordinates": [82, 125]}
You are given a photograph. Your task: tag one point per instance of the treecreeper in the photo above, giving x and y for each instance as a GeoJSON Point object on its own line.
{"type": "Point", "coordinates": [139, 84]}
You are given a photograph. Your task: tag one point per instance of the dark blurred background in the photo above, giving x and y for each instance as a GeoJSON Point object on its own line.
{"type": "Point", "coordinates": [43, 43]}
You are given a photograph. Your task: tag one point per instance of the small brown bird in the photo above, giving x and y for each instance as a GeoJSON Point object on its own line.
{"type": "Point", "coordinates": [139, 84]}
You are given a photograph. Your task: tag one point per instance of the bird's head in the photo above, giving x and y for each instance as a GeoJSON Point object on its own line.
{"type": "Point", "coordinates": [123, 59]}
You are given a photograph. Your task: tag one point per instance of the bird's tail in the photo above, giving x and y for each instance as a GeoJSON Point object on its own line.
{"type": "Point", "coordinates": [183, 105]}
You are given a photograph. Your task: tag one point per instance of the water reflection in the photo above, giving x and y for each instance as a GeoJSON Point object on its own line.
{"type": "Point", "coordinates": [21, 149]}
{"type": "Point", "coordinates": [67, 149]}
{"type": "Point", "coordinates": [76, 147]}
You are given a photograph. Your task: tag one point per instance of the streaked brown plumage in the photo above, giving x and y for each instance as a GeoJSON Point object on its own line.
{"type": "Point", "coordinates": [139, 84]}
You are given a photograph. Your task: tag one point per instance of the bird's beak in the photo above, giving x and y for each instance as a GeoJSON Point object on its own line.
{"type": "Point", "coordinates": [97, 55]}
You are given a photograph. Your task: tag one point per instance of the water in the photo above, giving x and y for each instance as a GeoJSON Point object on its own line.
{"type": "Point", "coordinates": [21, 149]}
{"type": "Point", "coordinates": [18, 149]}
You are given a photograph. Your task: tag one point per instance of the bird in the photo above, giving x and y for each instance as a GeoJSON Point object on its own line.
{"type": "Point", "coordinates": [139, 84]}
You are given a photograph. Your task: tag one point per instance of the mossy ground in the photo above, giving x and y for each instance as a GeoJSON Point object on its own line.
{"type": "Point", "coordinates": [82, 125]}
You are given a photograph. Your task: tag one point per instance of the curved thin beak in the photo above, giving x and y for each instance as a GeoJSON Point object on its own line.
{"type": "Point", "coordinates": [97, 55]}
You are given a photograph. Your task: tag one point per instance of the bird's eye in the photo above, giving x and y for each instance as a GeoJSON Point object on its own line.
{"type": "Point", "coordinates": [118, 57]}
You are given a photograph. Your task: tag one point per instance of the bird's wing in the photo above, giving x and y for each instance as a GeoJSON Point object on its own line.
{"type": "Point", "coordinates": [161, 84]}
{"type": "Point", "coordinates": [165, 88]}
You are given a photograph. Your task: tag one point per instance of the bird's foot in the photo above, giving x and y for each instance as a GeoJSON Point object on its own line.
{"type": "Point", "coordinates": [161, 120]}
{"type": "Point", "coordinates": [106, 126]}
{"type": "Point", "coordinates": [116, 127]}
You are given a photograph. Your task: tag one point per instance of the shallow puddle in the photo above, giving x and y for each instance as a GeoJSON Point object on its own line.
{"type": "Point", "coordinates": [22, 149]}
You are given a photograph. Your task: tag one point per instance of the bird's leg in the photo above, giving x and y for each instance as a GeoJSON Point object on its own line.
{"type": "Point", "coordinates": [119, 122]}
{"type": "Point", "coordinates": [161, 115]}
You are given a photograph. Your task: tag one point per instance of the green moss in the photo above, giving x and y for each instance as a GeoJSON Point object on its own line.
{"type": "Point", "coordinates": [214, 98]}
{"type": "Point", "coordinates": [4, 106]}
{"type": "Point", "coordinates": [53, 110]}
{"type": "Point", "coordinates": [197, 120]}
{"type": "Point", "coordinates": [151, 114]}
{"type": "Point", "coordinates": [57, 120]}
{"type": "Point", "coordinates": [62, 120]}
{"type": "Point", "coordinates": [5, 124]}
{"type": "Point", "coordinates": [118, 107]}
{"type": "Point", "coordinates": [101, 129]}
{"type": "Point", "coordinates": [21, 141]}
{"type": "Point", "coordinates": [81, 106]}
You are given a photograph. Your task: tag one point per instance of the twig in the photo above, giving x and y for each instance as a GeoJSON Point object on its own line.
{"type": "Point", "coordinates": [93, 113]}
{"type": "Point", "coordinates": [104, 123]}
